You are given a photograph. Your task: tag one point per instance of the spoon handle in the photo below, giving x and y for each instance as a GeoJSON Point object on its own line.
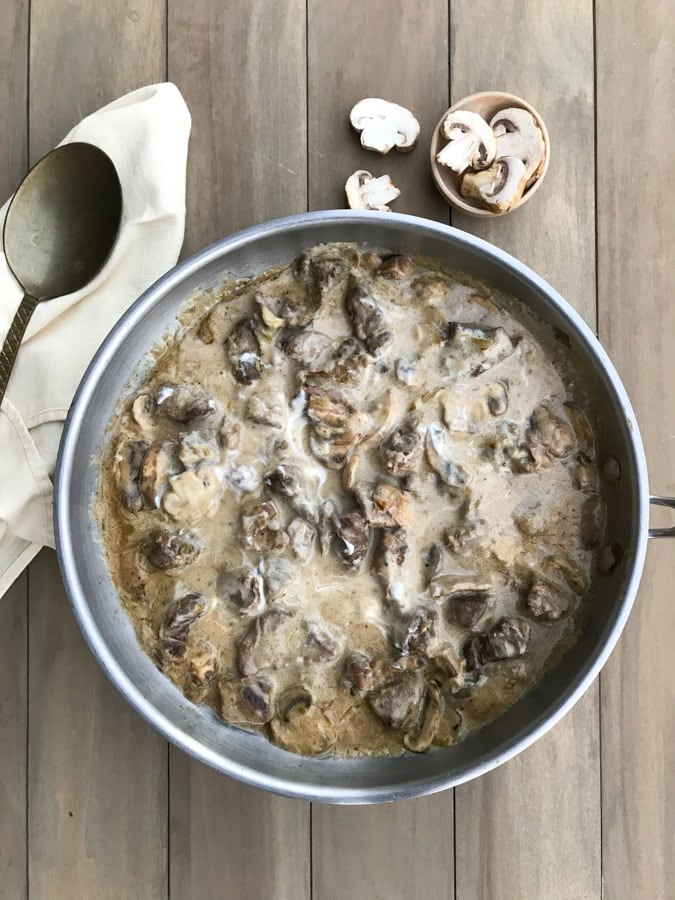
{"type": "Point", "coordinates": [13, 340]}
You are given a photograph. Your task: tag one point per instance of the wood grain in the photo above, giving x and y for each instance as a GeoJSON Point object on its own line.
{"type": "Point", "coordinates": [13, 606]}
{"type": "Point", "coordinates": [241, 68]}
{"type": "Point", "coordinates": [523, 831]}
{"type": "Point", "coordinates": [97, 811]}
{"type": "Point", "coordinates": [13, 94]}
{"type": "Point", "coordinates": [552, 69]}
{"type": "Point", "coordinates": [13, 734]}
{"type": "Point", "coordinates": [636, 237]}
{"type": "Point", "coordinates": [97, 774]}
{"type": "Point", "coordinates": [396, 50]}
{"type": "Point", "coordinates": [402, 849]}
{"type": "Point", "coordinates": [83, 55]}
{"type": "Point", "coordinates": [242, 72]}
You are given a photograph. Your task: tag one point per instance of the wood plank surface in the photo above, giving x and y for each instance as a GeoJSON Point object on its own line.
{"type": "Point", "coordinates": [396, 50]}
{"type": "Point", "coordinates": [97, 774]}
{"type": "Point", "coordinates": [13, 735]}
{"type": "Point", "coordinates": [242, 71]}
{"type": "Point", "coordinates": [13, 606]}
{"type": "Point", "coordinates": [636, 244]}
{"type": "Point", "coordinates": [523, 831]}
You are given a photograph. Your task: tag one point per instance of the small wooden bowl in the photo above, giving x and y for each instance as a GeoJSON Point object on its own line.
{"type": "Point", "coordinates": [486, 104]}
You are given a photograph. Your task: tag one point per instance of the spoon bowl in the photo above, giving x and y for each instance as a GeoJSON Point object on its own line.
{"type": "Point", "coordinates": [59, 230]}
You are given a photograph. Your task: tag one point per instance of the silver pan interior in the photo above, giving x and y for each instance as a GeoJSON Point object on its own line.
{"type": "Point", "coordinates": [122, 360]}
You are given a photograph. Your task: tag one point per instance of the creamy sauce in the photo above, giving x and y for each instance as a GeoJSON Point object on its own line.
{"type": "Point", "coordinates": [496, 504]}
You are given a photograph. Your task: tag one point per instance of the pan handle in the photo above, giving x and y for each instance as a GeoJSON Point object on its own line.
{"type": "Point", "coordinates": [662, 532]}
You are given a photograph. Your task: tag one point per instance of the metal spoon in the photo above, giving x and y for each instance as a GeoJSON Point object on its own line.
{"type": "Point", "coordinates": [60, 228]}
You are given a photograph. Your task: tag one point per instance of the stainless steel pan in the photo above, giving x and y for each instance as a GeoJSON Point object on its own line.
{"type": "Point", "coordinates": [121, 363]}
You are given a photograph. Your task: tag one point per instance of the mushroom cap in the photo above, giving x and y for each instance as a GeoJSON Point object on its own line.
{"type": "Point", "coordinates": [471, 142]}
{"type": "Point", "coordinates": [364, 191]}
{"type": "Point", "coordinates": [384, 125]}
{"type": "Point", "coordinates": [503, 190]}
{"type": "Point", "coordinates": [518, 135]}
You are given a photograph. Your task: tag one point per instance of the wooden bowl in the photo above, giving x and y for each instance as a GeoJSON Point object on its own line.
{"type": "Point", "coordinates": [486, 104]}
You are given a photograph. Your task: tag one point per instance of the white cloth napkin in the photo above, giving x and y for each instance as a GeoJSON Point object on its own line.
{"type": "Point", "coordinates": [145, 133]}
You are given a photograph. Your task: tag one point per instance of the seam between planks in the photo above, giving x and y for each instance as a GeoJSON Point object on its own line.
{"type": "Point", "coordinates": [597, 331]}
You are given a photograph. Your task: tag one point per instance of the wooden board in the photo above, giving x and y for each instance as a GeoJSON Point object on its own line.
{"type": "Point", "coordinates": [13, 607]}
{"type": "Point", "coordinates": [13, 735]}
{"type": "Point", "coordinates": [97, 774]}
{"type": "Point", "coordinates": [242, 72]}
{"type": "Point", "coordinates": [531, 829]}
{"type": "Point", "coordinates": [398, 51]}
{"type": "Point", "coordinates": [636, 239]}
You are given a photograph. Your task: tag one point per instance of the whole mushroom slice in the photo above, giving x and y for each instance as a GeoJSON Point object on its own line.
{"type": "Point", "coordinates": [183, 402]}
{"type": "Point", "coordinates": [471, 142]}
{"type": "Point", "coordinates": [247, 701]}
{"type": "Point", "coordinates": [518, 135]}
{"type": "Point", "coordinates": [178, 620]}
{"type": "Point", "coordinates": [301, 726]}
{"type": "Point", "coordinates": [419, 739]}
{"type": "Point", "coordinates": [384, 125]}
{"type": "Point", "coordinates": [502, 189]}
{"type": "Point", "coordinates": [365, 191]}
{"type": "Point", "coordinates": [170, 551]}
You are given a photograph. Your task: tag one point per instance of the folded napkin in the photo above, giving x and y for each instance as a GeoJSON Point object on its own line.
{"type": "Point", "coordinates": [145, 134]}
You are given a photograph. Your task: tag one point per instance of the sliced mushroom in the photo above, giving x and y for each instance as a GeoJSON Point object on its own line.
{"type": "Point", "coordinates": [396, 267]}
{"type": "Point", "coordinates": [249, 701]}
{"type": "Point", "coordinates": [365, 191]}
{"type": "Point", "coordinates": [559, 565]}
{"type": "Point", "coordinates": [310, 348]}
{"type": "Point", "coordinates": [390, 556]}
{"type": "Point", "coordinates": [321, 645]}
{"type": "Point", "coordinates": [444, 586]}
{"type": "Point", "coordinates": [369, 322]}
{"type": "Point", "coordinates": [347, 366]}
{"type": "Point", "coordinates": [389, 410]}
{"type": "Point", "coordinates": [503, 190]}
{"type": "Point", "coordinates": [359, 673]}
{"type": "Point", "coordinates": [551, 432]}
{"type": "Point", "coordinates": [183, 402]}
{"type": "Point", "coordinates": [194, 494]}
{"type": "Point", "coordinates": [417, 631]}
{"type": "Point", "coordinates": [129, 461]}
{"type": "Point", "coordinates": [497, 398]}
{"type": "Point", "coordinates": [446, 669]}
{"type": "Point", "coordinates": [475, 350]}
{"type": "Point", "coordinates": [384, 125]}
{"type": "Point", "coordinates": [301, 726]}
{"type": "Point", "coordinates": [195, 448]}
{"type": "Point", "coordinates": [582, 431]}
{"type": "Point", "coordinates": [288, 481]}
{"type": "Point", "coordinates": [244, 588]}
{"type": "Point", "coordinates": [398, 701]}
{"type": "Point", "coordinates": [545, 601]}
{"type": "Point", "coordinates": [402, 450]}
{"type": "Point", "coordinates": [505, 640]}
{"type": "Point", "coordinates": [277, 574]}
{"type": "Point", "coordinates": [319, 271]}
{"type": "Point", "coordinates": [466, 538]}
{"type": "Point", "coordinates": [178, 620]}
{"type": "Point", "coordinates": [353, 537]}
{"type": "Point", "coordinates": [203, 665]}
{"type": "Point", "coordinates": [383, 505]}
{"type": "Point", "coordinates": [169, 550]}
{"type": "Point", "coordinates": [518, 135]}
{"type": "Point", "coordinates": [593, 522]}
{"type": "Point", "coordinates": [337, 426]}
{"type": "Point", "coordinates": [265, 411]}
{"type": "Point", "coordinates": [244, 479]}
{"type": "Point", "coordinates": [143, 414]}
{"type": "Point", "coordinates": [262, 529]}
{"type": "Point", "coordinates": [586, 479]}
{"type": "Point", "coordinates": [420, 739]}
{"type": "Point", "coordinates": [438, 448]}
{"type": "Point", "coordinates": [159, 464]}
{"type": "Point", "coordinates": [242, 348]}
{"type": "Point", "coordinates": [327, 513]}
{"type": "Point", "coordinates": [265, 644]}
{"type": "Point", "coordinates": [471, 142]}
{"type": "Point", "coordinates": [467, 608]}
{"type": "Point", "coordinates": [301, 536]}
